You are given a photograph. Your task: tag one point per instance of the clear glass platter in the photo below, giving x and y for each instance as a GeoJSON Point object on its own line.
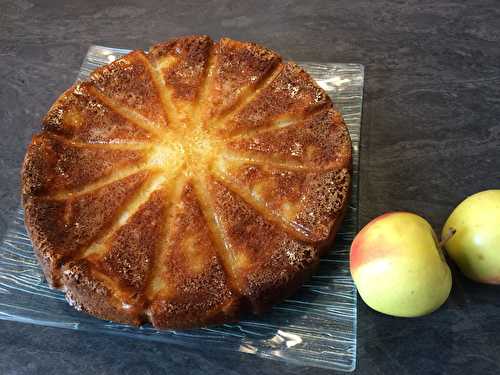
{"type": "Point", "coordinates": [315, 327]}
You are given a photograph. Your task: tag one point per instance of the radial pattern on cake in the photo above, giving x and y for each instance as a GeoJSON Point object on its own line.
{"type": "Point", "coordinates": [186, 185]}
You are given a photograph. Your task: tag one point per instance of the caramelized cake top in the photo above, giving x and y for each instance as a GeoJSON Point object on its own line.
{"type": "Point", "coordinates": [188, 184]}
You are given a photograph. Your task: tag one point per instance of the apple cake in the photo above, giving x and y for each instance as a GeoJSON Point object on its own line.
{"type": "Point", "coordinates": [186, 185]}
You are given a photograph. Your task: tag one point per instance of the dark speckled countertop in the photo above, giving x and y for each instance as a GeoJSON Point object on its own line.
{"type": "Point", "coordinates": [431, 135]}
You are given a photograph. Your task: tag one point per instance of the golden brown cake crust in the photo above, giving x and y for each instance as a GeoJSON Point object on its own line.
{"type": "Point", "coordinates": [238, 67]}
{"type": "Point", "coordinates": [182, 63]}
{"type": "Point", "coordinates": [53, 164]}
{"type": "Point", "coordinates": [194, 274]}
{"type": "Point", "coordinates": [188, 185]}
{"type": "Point", "coordinates": [80, 116]}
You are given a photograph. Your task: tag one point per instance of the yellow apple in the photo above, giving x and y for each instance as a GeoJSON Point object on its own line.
{"type": "Point", "coordinates": [475, 247]}
{"type": "Point", "coordinates": [398, 267]}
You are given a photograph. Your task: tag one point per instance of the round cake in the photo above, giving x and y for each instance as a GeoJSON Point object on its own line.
{"type": "Point", "coordinates": [187, 185]}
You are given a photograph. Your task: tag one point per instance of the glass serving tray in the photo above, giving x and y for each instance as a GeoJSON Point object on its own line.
{"type": "Point", "coordinates": [315, 327]}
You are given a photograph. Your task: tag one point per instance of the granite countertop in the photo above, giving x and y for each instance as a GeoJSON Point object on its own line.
{"type": "Point", "coordinates": [431, 136]}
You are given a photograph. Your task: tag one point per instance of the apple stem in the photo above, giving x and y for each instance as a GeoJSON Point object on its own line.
{"type": "Point", "coordinates": [446, 238]}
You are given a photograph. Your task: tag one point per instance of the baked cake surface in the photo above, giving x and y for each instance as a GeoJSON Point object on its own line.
{"type": "Point", "coordinates": [186, 185]}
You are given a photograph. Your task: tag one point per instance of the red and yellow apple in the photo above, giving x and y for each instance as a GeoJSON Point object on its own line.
{"type": "Point", "coordinates": [475, 247]}
{"type": "Point", "coordinates": [398, 267]}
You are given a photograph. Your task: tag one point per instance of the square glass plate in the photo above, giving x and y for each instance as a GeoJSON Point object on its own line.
{"type": "Point", "coordinates": [315, 327]}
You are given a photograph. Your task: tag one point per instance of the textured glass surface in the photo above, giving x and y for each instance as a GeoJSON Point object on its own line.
{"type": "Point", "coordinates": [316, 327]}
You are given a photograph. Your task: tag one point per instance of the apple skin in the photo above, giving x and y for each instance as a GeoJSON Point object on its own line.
{"type": "Point", "coordinates": [475, 247]}
{"type": "Point", "coordinates": [398, 267]}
